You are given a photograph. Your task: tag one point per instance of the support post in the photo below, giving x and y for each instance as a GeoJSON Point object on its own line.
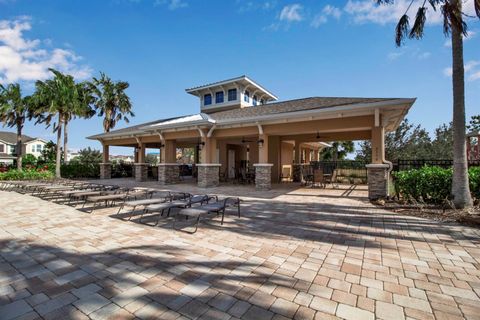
{"type": "Point", "coordinates": [263, 169]}
{"type": "Point", "coordinates": [141, 168]}
{"type": "Point", "coordinates": [106, 165]}
{"type": "Point", "coordinates": [378, 172]}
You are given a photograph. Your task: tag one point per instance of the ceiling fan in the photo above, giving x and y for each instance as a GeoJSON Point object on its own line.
{"type": "Point", "coordinates": [318, 137]}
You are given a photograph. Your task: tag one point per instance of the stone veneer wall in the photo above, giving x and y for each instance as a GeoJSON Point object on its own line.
{"type": "Point", "coordinates": [378, 177]}
{"type": "Point", "coordinates": [208, 175]}
{"type": "Point", "coordinates": [263, 176]}
{"type": "Point", "coordinates": [105, 170]}
{"type": "Point", "coordinates": [168, 173]}
{"type": "Point", "coordinates": [141, 171]}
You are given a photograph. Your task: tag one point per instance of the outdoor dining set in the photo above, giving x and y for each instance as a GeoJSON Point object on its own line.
{"type": "Point", "coordinates": [153, 203]}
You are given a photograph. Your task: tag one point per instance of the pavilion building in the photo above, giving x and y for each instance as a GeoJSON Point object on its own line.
{"type": "Point", "coordinates": [242, 123]}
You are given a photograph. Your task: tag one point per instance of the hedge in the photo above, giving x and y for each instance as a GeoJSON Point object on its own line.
{"type": "Point", "coordinates": [431, 184]}
{"type": "Point", "coordinates": [15, 174]}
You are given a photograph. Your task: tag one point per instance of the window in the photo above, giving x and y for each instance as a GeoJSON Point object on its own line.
{"type": "Point", "coordinates": [12, 150]}
{"type": "Point", "coordinates": [232, 94]}
{"type": "Point", "coordinates": [219, 97]}
{"type": "Point", "coordinates": [254, 102]}
{"type": "Point", "coordinates": [2, 148]}
{"type": "Point", "coordinates": [207, 99]}
{"type": "Point", "coordinates": [246, 96]}
{"type": "Point", "coordinates": [39, 148]}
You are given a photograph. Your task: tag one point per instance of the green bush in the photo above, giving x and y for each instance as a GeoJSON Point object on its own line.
{"type": "Point", "coordinates": [431, 184]}
{"type": "Point", "coordinates": [15, 174]}
{"type": "Point", "coordinates": [76, 169]}
{"type": "Point", "coordinates": [474, 177]}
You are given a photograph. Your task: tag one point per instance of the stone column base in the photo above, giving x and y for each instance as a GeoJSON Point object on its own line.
{"type": "Point", "coordinates": [378, 178]}
{"type": "Point", "coordinates": [106, 170]}
{"type": "Point", "coordinates": [168, 173]}
{"type": "Point", "coordinates": [208, 174]}
{"type": "Point", "coordinates": [141, 171]}
{"type": "Point", "coordinates": [263, 176]}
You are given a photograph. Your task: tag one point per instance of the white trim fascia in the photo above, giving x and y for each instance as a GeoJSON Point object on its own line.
{"type": "Point", "coordinates": [224, 82]}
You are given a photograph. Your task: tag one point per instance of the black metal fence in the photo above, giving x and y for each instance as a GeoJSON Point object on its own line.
{"type": "Point", "coordinates": [401, 165]}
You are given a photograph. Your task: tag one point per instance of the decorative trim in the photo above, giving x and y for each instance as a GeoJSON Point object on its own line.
{"type": "Point", "coordinates": [263, 164]}
{"type": "Point", "coordinates": [140, 164]}
{"type": "Point", "coordinates": [377, 166]}
{"type": "Point", "coordinates": [209, 165]}
{"type": "Point", "coordinates": [168, 164]}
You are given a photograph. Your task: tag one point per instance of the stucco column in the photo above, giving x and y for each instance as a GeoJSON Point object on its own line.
{"type": "Point", "coordinates": [209, 169]}
{"type": "Point", "coordinates": [378, 144]}
{"type": "Point", "coordinates": [170, 151]}
{"type": "Point", "coordinates": [106, 165]}
{"type": "Point", "coordinates": [263, 169]}
{"type": "Point", "coordinates": [141, 168]}
{"type": "Point", "coordinates": [378, 172]}
{"type": "Point", "coordinates": [307, 155]}
{"type": "Point", "coordinates": [315, 155]}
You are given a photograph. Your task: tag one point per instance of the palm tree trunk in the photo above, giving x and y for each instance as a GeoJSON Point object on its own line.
{"type": "Point", "coordinates": [19, 146]}
{"type": "Point", "coordinates": [460, 185]}
{"type": "Point", "coordinates": [65, 140]}
{"type": "Point", "coordinates": [58, 159]}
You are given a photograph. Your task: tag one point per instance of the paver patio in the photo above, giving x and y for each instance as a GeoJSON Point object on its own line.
{"type": "Point", "coordinates": [294, 253]}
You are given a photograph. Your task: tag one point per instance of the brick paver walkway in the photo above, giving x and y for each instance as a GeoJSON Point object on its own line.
{"type": "Point", "coordinates": [298, 255]}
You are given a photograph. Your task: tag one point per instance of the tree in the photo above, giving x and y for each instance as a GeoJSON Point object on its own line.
{"type": "Point", "coordinates": [111, 101]}
{"type": "Point", "coordinates": [14, 110]}
{"type": "Point", "coordinates": [338, 151]}
{"type": "Point", "coordinates": [474, 125]}
{"type": "Point", "coordinates": [454, 25]}
{"type": "Point", "coordinates": [49, 152]}
{"type": "Point", "coordinates": [442, 144]}
{"type": "Point", "coordinates": [88, 156]}
{"type": "Point", "coordinates": [61, 97]}
{"type": "Point", "coordinates": [151, 158]}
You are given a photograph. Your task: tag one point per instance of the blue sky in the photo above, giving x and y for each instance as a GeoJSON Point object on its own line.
{"type": "Point", "coordinates": [294, 48]}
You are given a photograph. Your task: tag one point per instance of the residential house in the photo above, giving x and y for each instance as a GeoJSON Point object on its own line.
{"type": "Point", "coordinates": [8, 144]}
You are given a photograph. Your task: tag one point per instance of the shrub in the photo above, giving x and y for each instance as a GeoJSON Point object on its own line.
{"type": "Point", "coordinates": [474, 177]}
{"type": "Point", "coordinates": [30, 174]}
{"type": "Point", "coordinates": [75, 169]}
{"type": "Point", "coordinates": [432, 184]}
{"type": "Point", "coordinates": [429, 184]}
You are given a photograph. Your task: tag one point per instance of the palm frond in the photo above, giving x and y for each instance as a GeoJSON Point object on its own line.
{"type": "Point", "coordinates": [401, 31]}
{"type": "Point", "coordinates": [419, 24]}
{"type": "Point", "coordinates": [452, 17]}
{"type": "Point", "coordinates": [434, 3]}
{"type": "Point", "coordinates": [477, 8]}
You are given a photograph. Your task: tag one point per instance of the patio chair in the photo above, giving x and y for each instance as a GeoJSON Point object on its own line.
{"type": "Point", "coordinates": [161, 208]}
{"type": "Point", "coordinates": [332, 179]}
{"type": "Point", "coordinates": [318, 178]}
{"type": "Point", "coordinates": [216, 207]}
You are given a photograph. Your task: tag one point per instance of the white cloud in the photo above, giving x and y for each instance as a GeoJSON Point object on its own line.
{"type": "Point", "coordinates": [364, 11]}
{"type": "Point", "coordinates": [172, 4]}
{"type": "Point", "coordinates": [322, 17]}
{"type": "Point", "coordinates": [23, 59]}
{"type": "Point", "coordinates": [292, 13]}
{"type": "Point", "coordinates": [409, 52]}
{"type": "Point", "coordinates": [472, 70]}
{"type": "Point", "coordinates": [247, 6]}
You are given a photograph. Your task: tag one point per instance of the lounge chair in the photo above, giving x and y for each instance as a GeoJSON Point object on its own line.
{"type": "Point", "coordinates": [216, 207]}
{"type": "Point", "coordinates": [121, 195]}
{"type": "Point", "coordinates": [166, 196]}
{"type": "Point", "coordinates": [168, 206]}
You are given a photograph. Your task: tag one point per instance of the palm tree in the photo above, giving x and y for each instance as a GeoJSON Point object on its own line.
{"type": "Point", "coordinates": [338, 151]}
{"type": "Point", "coordinates": [111, 101]}
{"type": "Point", "coordinates": [14, 109]}
{"type": "Point", "coordinates": [454, 25]}
{"type": "Point", "coordinates": [61, 97]}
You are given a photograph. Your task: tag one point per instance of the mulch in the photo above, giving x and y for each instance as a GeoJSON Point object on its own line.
{"type": "Point", "coordinates": [470, 217]}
